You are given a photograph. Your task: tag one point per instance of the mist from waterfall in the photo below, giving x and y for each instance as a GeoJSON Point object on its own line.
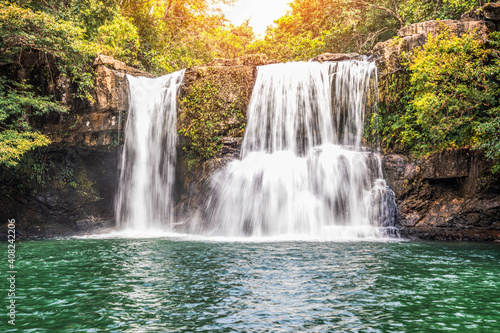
{"type": "Point", "coordinates": [145, 195]}
{"type": "Point", "coordinates": [304, 172]}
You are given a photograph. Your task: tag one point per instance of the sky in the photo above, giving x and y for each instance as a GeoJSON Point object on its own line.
{"type": "Point", "coordinates": [260, 12]}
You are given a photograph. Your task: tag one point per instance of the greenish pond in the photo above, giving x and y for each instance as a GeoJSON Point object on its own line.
{"type": "Point", "coordinates": [174, 285]}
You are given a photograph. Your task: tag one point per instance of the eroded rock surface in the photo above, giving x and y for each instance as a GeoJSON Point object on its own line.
{"type": "Point", "coordinates": [450, 195]}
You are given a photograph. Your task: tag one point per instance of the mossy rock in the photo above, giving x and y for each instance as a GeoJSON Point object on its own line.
{"type": "Point", "coordinates": [213, 105]}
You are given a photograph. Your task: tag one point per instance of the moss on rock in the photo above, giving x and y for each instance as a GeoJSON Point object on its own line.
{"type": "Point", "coordinates": [213, 105]}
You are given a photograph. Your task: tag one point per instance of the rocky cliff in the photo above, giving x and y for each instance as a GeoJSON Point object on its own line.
{"type": "Point", "coordinates": [449, 195]}
{"type": "Point", "coordinates": [69, 186]}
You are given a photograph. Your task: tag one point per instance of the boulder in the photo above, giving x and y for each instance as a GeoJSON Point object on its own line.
{"type": "Point", "coordinates": [450, 195]}
{"type": "Point", "coordinates": [489, 12]}
{"type": "Point", "coordinates": [415, 35]}
{"type": "Point", "coordinates": [83, 225]}
{"type": "Point", "coordinates": [435, 27]}
{"type": "Point", "coordinates": [111, 90]}
{"type": "Point", "coordinates": [110, 62]}
{"type": "Point", "coordinates": [117, 65]}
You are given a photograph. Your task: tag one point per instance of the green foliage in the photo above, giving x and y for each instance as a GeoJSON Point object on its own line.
{"type": "Point", "coordinates": [180, 33]}
{"type": "Point", "coordinates": [453, 86]}
{"type": "Point", "coordinates": [88, 15]}
{"type": "Point", "coordinates": [312, 27]}
{"type": "Point", "coordinates": [451, 98]}
{"type": "Point", "coordinates": [18, 101]}
{"type": "Point", "coordinates": [488, 134]}
{"type": "Point", "coordinates": [51, 40]}
{"type": "Point", "coordinates": [14, 144]}
{"type": "Point", "coordinates": [213, 108]}
{"type": "Point", "coordinates": [228, 41]}
{"type": "Point", "coordinates": [17, 105]}
{"type": "Point", "coordinates": [413, 11]}
{"type": "Point", "coordinates": [119, 39]}
{"type": "Point", "coordinates": [203, 129]}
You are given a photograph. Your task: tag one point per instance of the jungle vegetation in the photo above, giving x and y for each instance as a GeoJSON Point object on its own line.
{"type": "Point", "coordinates": [451, 100]}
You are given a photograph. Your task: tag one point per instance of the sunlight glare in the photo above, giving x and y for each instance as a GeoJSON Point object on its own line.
{"type": "Point", "coordinates": [260, 12]}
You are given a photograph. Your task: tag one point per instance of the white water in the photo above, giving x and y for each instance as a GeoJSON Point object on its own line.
{"type": "Point", "coordinates": [303, 170]}
{"type": "Point", "coordinates": [144, 200]}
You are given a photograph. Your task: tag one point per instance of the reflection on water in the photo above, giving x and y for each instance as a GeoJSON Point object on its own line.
{"type": "Point", "coordinates": [167, 285]}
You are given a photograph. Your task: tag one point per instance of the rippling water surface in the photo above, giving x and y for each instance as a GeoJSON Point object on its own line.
{"type": "Point", "coordinates": [174, 285]}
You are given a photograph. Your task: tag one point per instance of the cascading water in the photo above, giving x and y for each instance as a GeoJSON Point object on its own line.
{"type": "Point", "coordinates": [303, 170]}
{"type": "Point", "coordinates": [144, 200]}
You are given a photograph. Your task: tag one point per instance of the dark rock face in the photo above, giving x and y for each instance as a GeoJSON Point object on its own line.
{"type": "Point", "coordinates": [450, 195]}
{"type": "Point", "coordinates": [76, 183]}
{"type": "Point", "coordinates": [197, 185]}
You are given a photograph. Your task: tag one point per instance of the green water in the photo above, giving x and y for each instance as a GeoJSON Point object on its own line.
{"type": "Point", "coordinates": [168, 285]}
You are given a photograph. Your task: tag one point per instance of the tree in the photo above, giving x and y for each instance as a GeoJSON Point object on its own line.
{"type": "Point", "coordinates": [312, 27]}
{"type": "Point", "coordinates": [52, 41]}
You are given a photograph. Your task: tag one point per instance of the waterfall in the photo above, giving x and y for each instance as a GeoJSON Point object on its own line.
{"type": "Point", "coordinates": [144, 199]}
{"type": "Point", "coordinates": [304, 171]}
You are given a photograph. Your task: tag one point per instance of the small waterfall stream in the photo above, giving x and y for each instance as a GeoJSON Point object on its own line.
{"type": "Point", "coordinates": [303, 170]}
{"type": "Point", "coordinates": [144, 200]}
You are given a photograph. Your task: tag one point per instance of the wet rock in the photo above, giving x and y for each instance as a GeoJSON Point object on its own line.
{"type": "Point", "coordinates": [84, 224]}
{"type": "Point", "coordinates": [231, 146]}
{"type": "Point", "coordinates": [192, 204]}
{"type": "Point", "coordinates": [336, 57]}
{"type": "Point", "coordinates": [394, 167]}
{"type": "Point", "coordinates": [450, 195]}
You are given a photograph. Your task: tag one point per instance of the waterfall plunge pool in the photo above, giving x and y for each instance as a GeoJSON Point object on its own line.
{"type": "Point", "coordinates": [179, 285]}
